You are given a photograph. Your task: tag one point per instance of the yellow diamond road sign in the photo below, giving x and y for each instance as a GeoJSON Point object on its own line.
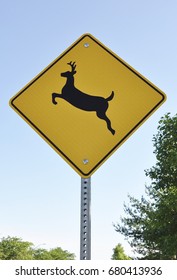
{"type": "Point", "coordinates": [86, 103]}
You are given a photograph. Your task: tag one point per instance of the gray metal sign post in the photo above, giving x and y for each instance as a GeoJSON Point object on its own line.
{"type": "Point", "coordinates": [85, 223]}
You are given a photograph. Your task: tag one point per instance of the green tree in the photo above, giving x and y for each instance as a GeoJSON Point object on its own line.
{"type": "Point", "coordinates": [41, 254]}
{"type": "Point", "coordinates": [118, 253]}
{"type": "Point", "coordinates": [150, 224]}
{"type": "Point", "coordinates": [53, 254]}
{"type": "Point", "coordinates": [14, 248]}
{"type": "Point", "coordinates": [59, 254]}
{"type": "Point", "coordinates": [164, 173]}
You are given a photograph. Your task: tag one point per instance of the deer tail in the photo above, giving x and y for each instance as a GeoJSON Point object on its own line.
{"type": "Point", "coordinates": [111, 96]}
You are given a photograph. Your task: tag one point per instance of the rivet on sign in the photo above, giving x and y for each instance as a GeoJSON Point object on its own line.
{"type": "Point", "coordinates": [86, 45]}
{"type": "Point", "coordinates": [85, 161]}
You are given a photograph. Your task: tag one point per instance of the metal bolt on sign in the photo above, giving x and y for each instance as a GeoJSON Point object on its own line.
{"type": "Point", "coordinates": [85, 223]}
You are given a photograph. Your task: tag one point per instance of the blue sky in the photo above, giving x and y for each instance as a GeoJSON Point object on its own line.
{"type": "Point", "coordinates": [40, 193]}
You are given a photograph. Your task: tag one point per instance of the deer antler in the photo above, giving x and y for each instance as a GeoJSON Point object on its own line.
{"type": "Point", "coordinates": [73, 66]}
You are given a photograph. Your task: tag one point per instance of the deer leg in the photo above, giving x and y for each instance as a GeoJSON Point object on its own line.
{"type": "Point", "coordinates": [108, 122]}
{"type": "Point", "coordinates": [54, 95]}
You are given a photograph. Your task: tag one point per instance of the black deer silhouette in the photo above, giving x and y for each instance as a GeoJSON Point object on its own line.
{"type": "Point", "coordinates": [82, 100]}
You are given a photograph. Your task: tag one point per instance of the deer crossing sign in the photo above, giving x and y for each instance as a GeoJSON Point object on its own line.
{"type": "Point", "coordinates": [86, 103]}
